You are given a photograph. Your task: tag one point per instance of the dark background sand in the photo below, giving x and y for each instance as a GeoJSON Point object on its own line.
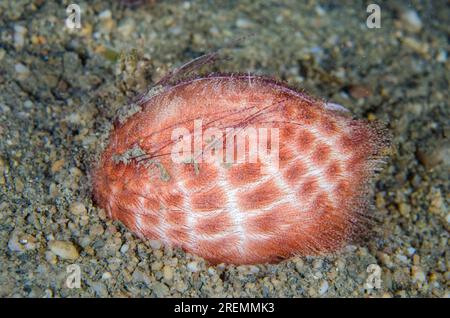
{"type": "Point", "coordinates": [60, 89]}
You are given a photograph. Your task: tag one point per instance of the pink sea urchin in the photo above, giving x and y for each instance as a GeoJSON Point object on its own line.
{"type": "Point", "coordinates": [311, 200]}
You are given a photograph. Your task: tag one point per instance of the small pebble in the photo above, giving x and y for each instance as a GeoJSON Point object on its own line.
{"type": "Point", "coordinates": [127, 28]}
{"type": "Point", "coordinates": [243, 23]}
{"type": "Point", "coordinates": [22, 71]}
{"type": "Point", "coordinates": [212, 271]}
{"type": "Point", "coordinates": [417, 274]}
{"type": "Point", "coordinates": [192, 267]}
{"type": "Point", "coordinates": [416, 259]}
{"type": "Point", "coordinates": [19, 36]}
{"type": "Point", "coordinates": [50, 258]}
{"type": "Point", "coordinates": [320, 11]}
{"type": "Point", "coordinates": [77, 208]}
{"type": "Point", "coordinates": [323, 288]}
{"type": "Point", "coordinates": [433, 156]}
{"type": "Point", "coordinates": [99, 289]}
{"type": "Point", "coordinates": [160, 289]}
{"type": "Point", "coordinates": [168, 273]}
{"type": "Point", "coordinates": [411, 20]}
{"type": "Point", "coordinates": [317, 264]}
{"type": "Point", "coordinates": [64, 249]}
{"type": "Point", "coordinates": [360, 91]}
{"type": "Point", "coordinates": [299, 265]}
{"type": "Point", "coordinates": [402, 258]}
{"type": "Point", "coordinates": [411, 250]}
{"type": "Point", "coordinates": [441, 56]}
{"type": "Point", "coordinates": [105, 14]}
{"type": "Point", "coordinates": [415, 45]}
{"type": "Point", "coordinates": [140, 276]}
{"type": "Point", "coordinates": [106, 275]}
{"type": "Point", "coordinates": [124, 248]}
{"type": "Point", "coordinates": [57, 165]}
{"type": "Point", "coordinates": [14, 244]}
{"type": "Point", "coordinates": [96, 230]}
{"type": "Point", "coordinates": [155, 244]}
{"type": "Point", "coordinates": [156, 266]}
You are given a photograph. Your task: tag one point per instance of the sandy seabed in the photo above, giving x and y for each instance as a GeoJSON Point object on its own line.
{"type": "Point", "coordinates": [60, 89]}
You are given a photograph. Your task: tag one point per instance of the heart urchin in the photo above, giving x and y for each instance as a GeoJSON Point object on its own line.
{"type": "Point", "coordinates": [186, 170]}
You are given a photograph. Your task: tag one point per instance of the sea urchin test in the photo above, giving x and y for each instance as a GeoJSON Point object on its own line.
{"type": "Point", "coordinates": [240, 169]}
